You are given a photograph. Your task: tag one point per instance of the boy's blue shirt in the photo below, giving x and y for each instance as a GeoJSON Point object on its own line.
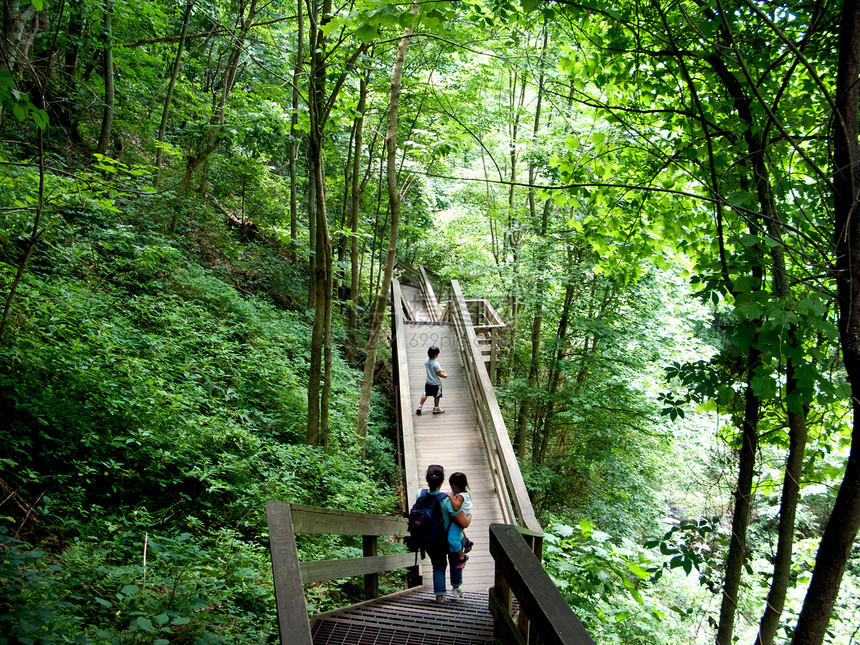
{"type": "Point", "coordinates": [433, 367]}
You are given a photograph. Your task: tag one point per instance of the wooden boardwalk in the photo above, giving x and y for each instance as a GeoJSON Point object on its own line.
{"type": "Point", "coordinates": [451, 439]}
{"type": "Point", "coordinates": [507, 597]}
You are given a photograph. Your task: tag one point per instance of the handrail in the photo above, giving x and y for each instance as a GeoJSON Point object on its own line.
{"type": "Point", "coordinates": [544, 615]}
{"type": "Point", "coordinates": [488, 326]}
{"type": "Point", "coordinates": [485, 307]}
{"type": "Point", "coordinates": [403, 405]}
{"type": "Point", "coordinates": [492, 423]}
{"type": "Point", "coordinates": [429, 294]}
{"type": "Point", "coordinates": [289, 574]}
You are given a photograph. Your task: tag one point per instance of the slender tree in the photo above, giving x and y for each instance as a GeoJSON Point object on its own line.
{"type": "Point", "coordinates": [321, 98]}
{"type": "Point", "coordinates": [842, 527]}
{"type": "Point", "coordinates": [174, 72]}
{"type": "Point", "coordinates": [107, 62]}
{"type": "Point", "coordinates": [391, 255]}
{"type": "Point", "coordinates": [356, 191]}
{"type": "Point", "coordinates": [294, 131]}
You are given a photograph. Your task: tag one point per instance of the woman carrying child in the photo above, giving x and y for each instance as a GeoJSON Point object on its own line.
{"type": "Point", "coordinates": [439, 556]}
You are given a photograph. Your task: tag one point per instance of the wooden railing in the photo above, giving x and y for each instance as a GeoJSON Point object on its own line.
{"type": "Point", "coordinates": [289, 574]}
{"type": "Point", "coordinates": [403, 406]}
{"type": "Point", "coordinates": [503, 461]}
{"type": "Point", "coordinates": [433, 309]}
{"type": "Point", "coordinates": [488, 326]}
{"type": "Point", "coordinates": [544, 615]}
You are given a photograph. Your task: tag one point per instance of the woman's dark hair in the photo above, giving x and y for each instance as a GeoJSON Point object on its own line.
{"type": "Point", "coordinates": [435, 476]}
{"type": "Point", "coordinates": [433, 352]}
{"type": "Point", "coordinates": [459, 480]}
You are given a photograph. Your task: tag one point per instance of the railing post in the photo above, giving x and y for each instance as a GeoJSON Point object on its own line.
{"type": "Point", "coordinates": [371, 580]}
{"type": "Point", "coordinates": [293, 622]}
{"type": "Point", "coordinates": [494, 354]}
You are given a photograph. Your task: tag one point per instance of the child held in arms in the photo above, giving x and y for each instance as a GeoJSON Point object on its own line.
{"type": "Point", "coordinates": [461, 500]}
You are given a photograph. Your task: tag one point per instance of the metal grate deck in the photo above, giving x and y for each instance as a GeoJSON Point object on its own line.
{"type": "Point", "coordinates": [410, 618]}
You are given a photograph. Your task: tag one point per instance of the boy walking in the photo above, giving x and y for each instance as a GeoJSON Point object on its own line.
{"type": "Point", "coordinates": [433, 386]}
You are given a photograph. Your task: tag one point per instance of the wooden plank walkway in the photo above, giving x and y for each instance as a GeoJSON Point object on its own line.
{"type": "Point", "coordinates": [452, 439]}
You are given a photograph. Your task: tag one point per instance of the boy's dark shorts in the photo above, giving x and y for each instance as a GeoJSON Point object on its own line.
{"type": "Point", "coordinates": [431, 390]}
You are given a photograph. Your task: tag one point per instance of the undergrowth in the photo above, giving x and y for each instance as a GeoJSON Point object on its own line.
{"type": "Point", "coordinates": [154, 396]}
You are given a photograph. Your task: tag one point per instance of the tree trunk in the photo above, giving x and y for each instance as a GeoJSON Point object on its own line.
{"type": "Point", "coordinates": [394, 203]}
{"type": "Point", "coordinates": [323, 276]}
{"type": "Point", "coordinates": [74, 32]}
{"type": "Point", "coordinates": [352, 324]}
{"type": "Point", "coordinates": [107, 114]}
{"type": "Point", "coordinates": [15, 47]}
{"type": "Point", "coordinates": [327, 337]}
{"type": "Point", "coordinates": [838, 537]}
{"type": "Point", "coordinates": [174, 72]}
{"type": "Point", "coordinates": [554, 377]}
{"type": "Point", "coordinates": [312, 224]}
{"type": "Point", "coordinates": [770, 221]}
{"type": "Point", "coordinates": [537, 317]}
{"type": "Point", "coordinates": [319, 281]}
{"type": "Point", "coordinates": [212, 138]}
{"type": "Point", "coordinates": [797, 435]}
{"type": "Point", "coordinates": [294, 132]}
{"type": "Point", "coordinates": [740, 518]}
{"type": "Point", "coordinates": [514, 235]}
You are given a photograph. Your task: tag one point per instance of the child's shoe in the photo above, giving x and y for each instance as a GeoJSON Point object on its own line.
{"type": "Point", "coordinates": [462, 562]}
{"type": "Point", "coordinates": [468, 546]}
{"type": "Point", "coordinates": [438, 410]}
{"type": "Point", "coordinates": [456, 593]}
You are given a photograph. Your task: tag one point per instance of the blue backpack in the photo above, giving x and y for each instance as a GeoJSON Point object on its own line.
{"type": "Point", "coordinates": [426, 529]}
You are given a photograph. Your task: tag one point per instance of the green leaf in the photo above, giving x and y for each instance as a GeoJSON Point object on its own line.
{"type": "Point", "coordinates": [366, 33]}
{"type": "Point", "coordinates": [145, 624]}
{"type": "Point", "coordinates": [41, 118]}
{"type": "Point", "coordinates": [637, 570]}
{"type": "Point", "coordinates": [763, 387]}
{"type": "Point", "coordinates": [725, 395]}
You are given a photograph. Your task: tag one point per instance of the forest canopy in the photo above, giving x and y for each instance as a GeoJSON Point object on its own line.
{"type": "Point", "coordinates": [202, 207]}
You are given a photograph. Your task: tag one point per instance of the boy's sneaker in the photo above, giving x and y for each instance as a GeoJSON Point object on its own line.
{"type": "Point", "coordinates": [462, 562]}
{"type": "Point", "coordinates": [456, 593]}
{"type": "Point", "coordinates": [418, 412]}
{"type": "Point", "coordinates": [468, 546]}
{"type": "Point", "coordinates": [438, 410]}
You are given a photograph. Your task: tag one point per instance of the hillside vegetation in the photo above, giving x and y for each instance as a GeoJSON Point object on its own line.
{"type": "Point", "coordinates": [153, 398]}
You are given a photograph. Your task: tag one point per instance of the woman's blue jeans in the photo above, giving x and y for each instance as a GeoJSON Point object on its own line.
{"type": "Point", "coordinates": [440, 561]}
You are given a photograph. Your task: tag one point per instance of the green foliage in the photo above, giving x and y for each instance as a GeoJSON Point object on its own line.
{"type": "Point", "coordinates": [612, 586]}
{"type": "Point", "coordinates": [148, 400]}
{"type": "Point", "coordinates": [134, 587]}
{"type": "Point", "coordinates": [31, 600]}
{"type": "Point", "coordinates": [19, 102]}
